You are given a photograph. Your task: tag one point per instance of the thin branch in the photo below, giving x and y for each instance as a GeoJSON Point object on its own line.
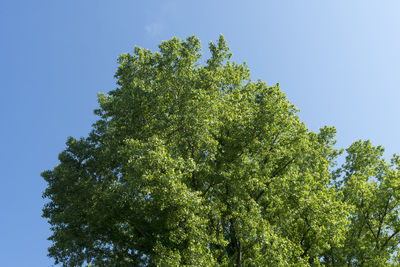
{"type": "Point", "coordinates": [208, 188]}
{"type": "Point", "coordinates": [390, 237]}
{"type": "Point", "coordinates": [276, 172]}
{"type": "Point", "coordinates": [369, 226]}
{"type": "Point", "coordinates": [383, 217]}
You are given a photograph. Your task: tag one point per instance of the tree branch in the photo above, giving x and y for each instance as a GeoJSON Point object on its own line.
{"type": "Point", "coordinates": [390, 237]}
{"type": "Point", "coordinates": [369, 227]}
{"type": "Point", "coordinates": [274, 174]}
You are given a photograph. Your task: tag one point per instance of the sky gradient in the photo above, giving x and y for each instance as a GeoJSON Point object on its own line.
{"type": "Point", "coordinates": [337, 61]}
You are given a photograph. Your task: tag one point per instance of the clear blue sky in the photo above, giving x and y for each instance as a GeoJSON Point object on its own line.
{"type": "Point", "coordinates": [337, 61]}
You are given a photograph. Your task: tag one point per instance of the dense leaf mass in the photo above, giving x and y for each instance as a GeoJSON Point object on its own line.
{"type": "Point", "coordinates": [194, 164]}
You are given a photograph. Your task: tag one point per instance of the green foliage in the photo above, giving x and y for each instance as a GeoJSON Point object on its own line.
{"type": "Point", "coordinates": [371, 187]}
{"type": "Point", "coordinates": [197, 165]}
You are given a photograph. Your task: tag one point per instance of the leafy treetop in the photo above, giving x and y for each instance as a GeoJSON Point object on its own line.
{"type": "Point", "coordinates": [198, 165]}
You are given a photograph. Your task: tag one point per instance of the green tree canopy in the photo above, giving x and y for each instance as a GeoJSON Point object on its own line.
{"type": "Point", "coordinates": [193, 164]}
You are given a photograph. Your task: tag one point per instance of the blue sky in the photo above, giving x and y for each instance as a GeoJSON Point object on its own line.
{"type": "Point", "coordinates": [337, 61]}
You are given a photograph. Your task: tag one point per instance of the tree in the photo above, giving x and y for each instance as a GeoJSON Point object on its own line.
{"type": "Point", "coordinates": [192, 164]}
{"type": "Point", "coordinates": [371, 186]}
